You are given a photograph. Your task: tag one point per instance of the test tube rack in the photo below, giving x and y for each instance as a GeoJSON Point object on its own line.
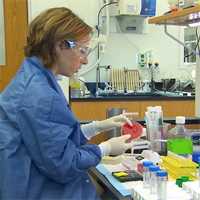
{"type": "Point", "coordinates": [178, 166]}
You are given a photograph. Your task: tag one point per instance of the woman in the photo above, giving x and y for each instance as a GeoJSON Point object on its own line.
{"type": "Point", "coordinates": [43, 149]}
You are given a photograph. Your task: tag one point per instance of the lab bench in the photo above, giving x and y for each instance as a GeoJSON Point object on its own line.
{"type": "Point", "coordinates": [131, 190]}
{"type": "Point", "coordinates": [95, 108]}
{"type": "Point", "coordinates": [90, 108]}
{"type": "Point", "coordinates": [103, 182]}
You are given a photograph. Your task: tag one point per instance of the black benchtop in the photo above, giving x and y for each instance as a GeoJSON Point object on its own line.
{"type": "Point", "coordinates": [132, 97]}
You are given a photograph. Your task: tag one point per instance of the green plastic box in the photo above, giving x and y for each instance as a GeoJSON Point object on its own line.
{"type": "Point", "coordinates": [180, 145]}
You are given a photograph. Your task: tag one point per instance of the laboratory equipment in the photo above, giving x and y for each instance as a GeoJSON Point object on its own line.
{"type": "Point", "coordinates": [192, 188]}
{"type": "Point", "coordinates": [199, 172]}
{"type": "Point", "coordinates": [107, 69]}
{"type": "Point", "coordinates": [180, 142]}
{"type": "Point", "coordinates": [75, 87]}
{"type": "Point", "coordinates": [162, 177]}
{"type": "Point", "coordinates": [130, 175]}
{"type": "Point", "coordinates": [140, 145]}
{"type": "Point", "coordinates": [196, 141]}
{"type": "Point", "coordinates": [137, 7]}
{"type": "Point", "coordinates": [181, 180]}
{"type": "Point", "coordinates": [179, 130]}
{"type": "Point", "coordinates": [154, 124]}
{"type": "Point", "coordinates": [146, 173]}
{"type": "Point", "coordinates": [153, 179]}
{"type": "Point", "coordinates": [196, 156]}
{"type": "Point", "coordinates": [135, 130]}
{"type": "Point", "coordinates": [151, 156]}
{"type": "Point", "coordinates": [178, 166]}
{"type": "Point", "coordinates": [125, 80]}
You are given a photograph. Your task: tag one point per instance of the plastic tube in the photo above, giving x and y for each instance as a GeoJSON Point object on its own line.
{"type": "Point", "coordinates": [161, 185]}
{"type": "Point", "coordinates": [146, 173]}
{"type": "Point", "coordinates": [153, 178]}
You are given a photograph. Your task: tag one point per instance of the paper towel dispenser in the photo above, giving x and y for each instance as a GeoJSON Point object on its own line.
{"type": "Point", "coordinates": [132, 14]}
{"type": "Point", "coordinates": [131, 24]}
{"type": "Point", "coordinates": [144, 8]}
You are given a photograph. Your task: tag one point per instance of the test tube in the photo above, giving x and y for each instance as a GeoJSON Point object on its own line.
{"type": "Point", "coordinates": [153, 178]}
{"type": "Point", "coordinates": [199, 172]}
{"type": "Point", "coordinates": [146, 173]}
{"type": "Point", "coordinates": [161, 185]}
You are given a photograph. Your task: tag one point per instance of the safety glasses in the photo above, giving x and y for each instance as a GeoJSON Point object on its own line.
{"type": "Point", "coordinates": [84, 51]}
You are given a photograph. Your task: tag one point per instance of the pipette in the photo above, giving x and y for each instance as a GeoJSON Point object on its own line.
{"type": "Point", "coordinates": [129, 121]}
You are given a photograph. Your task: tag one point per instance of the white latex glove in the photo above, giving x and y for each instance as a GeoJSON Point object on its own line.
{"type": "Point", "coordinates": [115, 146]}
{"type": "Point", "coordinates": [116, 121]}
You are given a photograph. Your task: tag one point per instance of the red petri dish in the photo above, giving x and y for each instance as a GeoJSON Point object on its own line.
{"type": "Point", "coordinates": [135, 130]}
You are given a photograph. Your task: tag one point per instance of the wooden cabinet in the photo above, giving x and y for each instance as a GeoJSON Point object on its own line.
{"type": "Point", "coordinates": [96, 110]}
{"type": "Point", "coordinates": [16, 23]}
{"type": "Point", "coordinates": [171, 108]}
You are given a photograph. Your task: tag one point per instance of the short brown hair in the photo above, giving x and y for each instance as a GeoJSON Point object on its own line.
{"type": "Point", "coordinates": [51, 26]}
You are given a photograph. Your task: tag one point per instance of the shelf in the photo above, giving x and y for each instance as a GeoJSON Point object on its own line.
{"type": "Point", "coordinates": [181, 17]}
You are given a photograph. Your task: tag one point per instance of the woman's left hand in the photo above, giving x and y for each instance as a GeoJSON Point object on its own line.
{"type": "Point", "coordinates": [116, 121]}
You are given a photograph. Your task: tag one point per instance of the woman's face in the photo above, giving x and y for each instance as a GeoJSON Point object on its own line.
{"type": "Point", "coordinates": [69, 60]}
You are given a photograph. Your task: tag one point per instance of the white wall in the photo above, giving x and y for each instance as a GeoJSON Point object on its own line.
{"type": "Point", "coordinates": [122, 48]}
{"type": "Point", "coordinates": [2, 35]}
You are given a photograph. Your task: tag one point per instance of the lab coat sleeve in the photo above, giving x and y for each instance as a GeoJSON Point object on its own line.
{"type": "Point", "coordinates": [48, 132]}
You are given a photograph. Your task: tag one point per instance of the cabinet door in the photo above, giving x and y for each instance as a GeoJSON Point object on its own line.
{"type": "Point", "coordinates": [175, 108]}
{"type": "Point", "coordinates": [97, 110]}
{"type": "Point", "coordinates": [15, 18]}
{"type": "Point", "coordinates": [171, 108]}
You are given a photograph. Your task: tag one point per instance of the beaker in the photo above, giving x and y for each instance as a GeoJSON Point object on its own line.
{"type": "Point", "coordinates": [157, 137]}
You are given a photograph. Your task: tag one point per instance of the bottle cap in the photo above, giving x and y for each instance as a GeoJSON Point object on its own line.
{"type": "Point", "coordinates": [196, 157]}
{"type": "Point", "coordinates": [185, 178]}
{"type": "Point", "coordinates": [161, 173]}
{"type": "Point", "coordinates": [180, 120]}
{"type": "Point", "coordinates": [147, 163]}
{"type": "Point", "coordinates": [153, 168]}
{"type": "Point", "coordinates": [179, 182]}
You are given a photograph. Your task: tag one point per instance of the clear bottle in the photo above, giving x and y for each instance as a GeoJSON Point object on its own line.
{"type": "Point", "coordinates": [146, 173]}
{"type": "Point", "coordinates": [162, 177]}
{"type": "Point", "coordinates": [179, 141]}
{"type": "Point", "coordinates": [179, 130]}
{"type": "Point", "coordinates": [153, 178]}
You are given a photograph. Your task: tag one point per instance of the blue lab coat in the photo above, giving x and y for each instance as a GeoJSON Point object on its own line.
{"type": "Point", "coordinates": [43, 153]}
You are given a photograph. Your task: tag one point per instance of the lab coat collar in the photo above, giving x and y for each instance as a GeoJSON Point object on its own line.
{"type": "Point", "coordinates": [36, 62]}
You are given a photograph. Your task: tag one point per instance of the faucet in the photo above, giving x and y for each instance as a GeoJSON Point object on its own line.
{"type": "Point", "coordinates": [98, 78]}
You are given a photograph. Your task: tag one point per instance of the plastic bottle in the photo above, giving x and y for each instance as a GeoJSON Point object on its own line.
{"type": "Point", "coordinates": [180, 142]}
{"type": "Point", "coordinates": [161, 185]}
{"type": "Point", "coordinates": [153, 179]}
{"type": "Point", "coordinates": [179, 130]}
{"type": "Point", "coordinates": [146, 173]}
